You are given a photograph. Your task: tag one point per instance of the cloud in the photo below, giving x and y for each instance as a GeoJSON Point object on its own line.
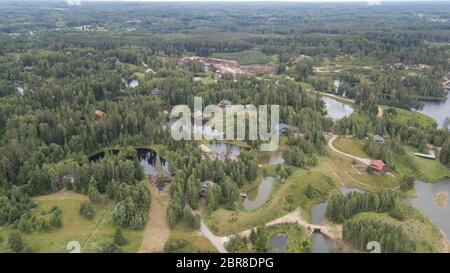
{"type": "Point", "coordinates": [73, 2]}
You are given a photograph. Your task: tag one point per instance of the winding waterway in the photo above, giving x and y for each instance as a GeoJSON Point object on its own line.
{"type": "Point", "coordinates": [440, 215]}
{"type": "Point", "coordinates": [257, 196]}
{"type": "Point", "coordinates": [439, 110]}
{"type": "Point", "coordinates": [320, 243]}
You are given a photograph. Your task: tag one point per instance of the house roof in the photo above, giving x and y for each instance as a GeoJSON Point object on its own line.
{"type": "Point", "coordinates": [206, 184]}
{"type": "Point", "coordinates": [225, 103]}
{"type": "Point", "coordinates": [99, 113]}
{"type": "Point", "coordinates": [377, 165]}
{"type": "Point", "coordinates": [378, 138]}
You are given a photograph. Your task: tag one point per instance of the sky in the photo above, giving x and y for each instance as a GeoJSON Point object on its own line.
{"type": "Point", "coordinates": [370, 2]}
{"type": "Point", "coordinates": [318, 1]}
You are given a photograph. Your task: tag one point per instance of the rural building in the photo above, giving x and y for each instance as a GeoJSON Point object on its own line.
{"type": "Point", "coordinates": [430, 155]}
{"type": "Point", "coordinates": [378, 139]}
{"type": "Point", "coordinates": [378, 167]}
{"type": "Point", "coordinates": [400, 66]}
{"type": "Point", "coordinates": [210, 153]}
{"type": "Point", "coordinates": [286, 129]}
{"type": "Point", "coordinates": [204, 185]}
{"type": "Point", "coordinates": [225, 103]}
{"type": "Point", "coordinates": [156, 92]}
{"type": "Point", "coordinates": [27, 68]}
{"type": "Point", "coordinates": [283, 128]}
{"type": "Point", "coordinates": [447, 86]}
{"type": "Point", "coordinates": [100, 114]}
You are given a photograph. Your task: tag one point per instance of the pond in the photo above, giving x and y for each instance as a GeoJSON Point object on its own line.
{"type": "Point", "coordinates": [149, 159]}
{"type": "Point", "coordinates": [206, 129]}
{"type": "Point", "coordinates": [257, 196]}
{"type": "Point", "coordinates": [438, 212]}
{"type": "Point", "coordinates": [320, 243]}
{"type": "Point", "coordinates": [271, 158]}
{"type": "Point", "coordinates": [278, 243]}
{"type": "Point", "coordinates": [132, 83]}
{"type": "Point", "coordinates": [335, 109]}
{"type": "Point", "coordinates": [151, 162]}
{"type": "Point", "coordinates": [224, 149]}
{"type": "Point", "coordinates": [439, 110]}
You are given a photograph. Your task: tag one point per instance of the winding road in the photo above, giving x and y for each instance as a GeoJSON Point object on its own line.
{"type": "Point", "coordinates": [293, 217]}
{"type": "Point", "coordinates": [365, 161]}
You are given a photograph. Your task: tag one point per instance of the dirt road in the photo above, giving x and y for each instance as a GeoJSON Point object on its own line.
{"type": "Point", "coordinates": [156, 231]}
{"type": "Point", "coordinates": [365, 161]}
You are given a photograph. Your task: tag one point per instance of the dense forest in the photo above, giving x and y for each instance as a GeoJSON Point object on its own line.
{"type": "Point", "coordinates": [65, 95]}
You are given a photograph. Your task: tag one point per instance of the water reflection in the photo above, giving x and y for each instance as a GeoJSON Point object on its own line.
{"type": "Point", "coordinates": [439, 110]}
{"type": "Point", "coordinates": [335, 109]}
{"type": "Point", "coordinates": [224, 149]}
{"type": "Point", "coordinates": [278, 243]}
{"type": "Point", "coordinates": [257, 196]}
{"type": "Point", "coordinates": [425, 203]}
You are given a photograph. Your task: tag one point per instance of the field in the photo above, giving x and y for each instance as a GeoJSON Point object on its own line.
{"type": "Point", "coordinates": [246, 57]}
{"type": "Point", "coordinates": [90, 234]}
{"type": "Point", "coordinates": [424, 169]}
{"type": "Point", "coordinates": [407, 117]}
{"type": "Point", "coordinates": [194, 238]}
{"type": "Point", "coordinates": [422, 231]}
{"type": "Point", "coordinates": [351, 146]}
{"type": "Point", "coordinates": [332, 172]}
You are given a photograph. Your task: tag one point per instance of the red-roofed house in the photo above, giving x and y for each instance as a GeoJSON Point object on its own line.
{"type": "Point", "coordinates": [378, 167]}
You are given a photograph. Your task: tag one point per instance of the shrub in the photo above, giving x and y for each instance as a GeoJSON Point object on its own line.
{"type": "Point", "coordinates": [15, 241]}
{"type": "Point", "coordinates": [86, 210]}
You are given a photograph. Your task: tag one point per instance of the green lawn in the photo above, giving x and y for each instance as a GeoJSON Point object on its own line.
{"type": "Point", "coordinates": [408, 117]}
{"type": "Point", "coordinates": [89, 233]}
{"type": "Point", "coordinates": [408, 164]}
{"type": "Point", "coordinates": [427, 169]}
{"type": "Point", "coordinates": [194, 239]}
{"type": "Point", "coordinates": [417, 227]}
{"type": "Point", "coordinates": [224, 222]}
{"type": "Point", "coordinates": [351, 146]}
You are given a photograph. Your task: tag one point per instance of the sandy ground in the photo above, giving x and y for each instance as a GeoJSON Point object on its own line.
{"type": "Point", "coordinates": [231, 66]}
{"type": "Point", "coordinates": [380, 112]}
{"type": "Point", "coordinates": [156, 231]}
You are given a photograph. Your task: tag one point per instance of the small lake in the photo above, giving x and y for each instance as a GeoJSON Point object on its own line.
{"type": "Point", "coordinates": [335, 109]}
{"type": "Point", "coordinates": [439, 110]}
{"type": "Point", "coordinates": [224, 149]}
{"type": "Point", "coordinates": [151, 162]}
{"type": "Point", "coordinates": [206, 129]}
{"type": "Point", "coordinates": [320, 243]}
{"type": "Point", "coordinates": [257, 196]}
{"type": "Point", "coordinates": [278, 243]}
{"type": "Point", "coordinates": [424, 203]}
{"type": "Point", "coordinates": [149, 159]}
{"type": "Point", "coordinates": [271, 158]}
